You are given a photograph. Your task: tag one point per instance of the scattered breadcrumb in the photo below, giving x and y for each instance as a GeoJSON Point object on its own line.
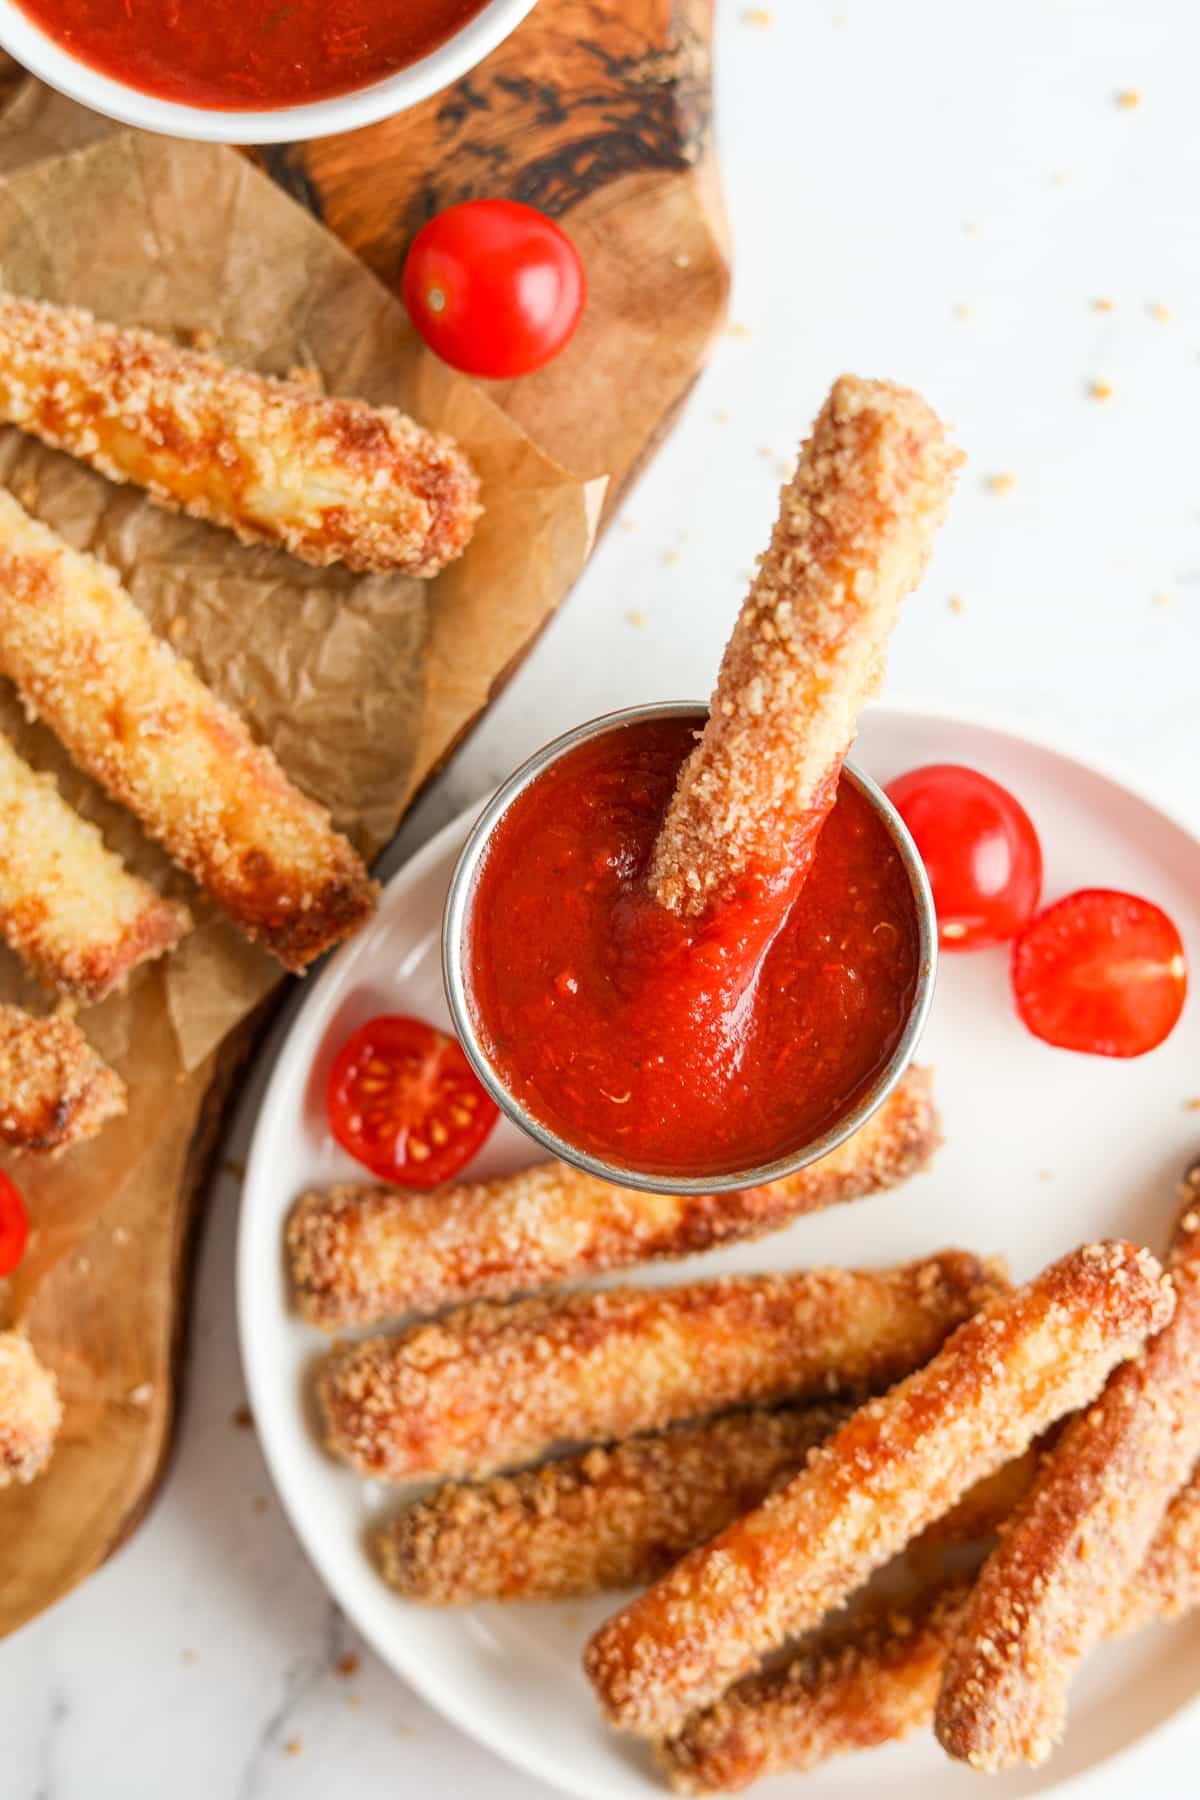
{"type": "Point", "coordinates": [759, 16]}
{"type": "Point", "coordinates": [956, 603]}
{"type": "Point", "coordinates": [722, 417]}
{"type": "Point", "coordinates": [1193, 1105]}
{"type": "Point", "coordinates": [1060, 177]}
{"type": "Point", "coordinates": [243, 1418]}
{"type": "Point", "coordinates": [962, 310]}
{"type": "Point", "coordinates": [737, 331]}
{"type": "Point", "coordinates": [970, 228]}
{"type": "Point", "coordinates": [628, 525]}
{"type": "Point", "coordinates": [1160, 599]}
{"type": "Point", "coordinates": [1045, 1174]}
{"type": "Point", "coordinates": [636, 619]}
{"type": "Point", "coordinates": [1161, 311]}
{"type": "Point", "coordinates": [1100, 390]}
{"type": "Point", "coordinates": [1002, 484]}
{"type": "Point", "coordinates": [348, 1665]}
{"type": "Point", "coordinates": [354, 1701]}
{"type": "Point", "coordinates": [293, 1747]}
{"type": "Point", "coordinates": [1105, 305]}
{"type": "Point", "coordinates": [1129, 98]}
{"type": "Point", "coordinates": [671, 556]}
{"type": "Point", "coordinates": [177, 629]}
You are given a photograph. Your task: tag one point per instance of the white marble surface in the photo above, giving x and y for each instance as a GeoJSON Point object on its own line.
{"type": "Point", "coordinates": [887, 167]}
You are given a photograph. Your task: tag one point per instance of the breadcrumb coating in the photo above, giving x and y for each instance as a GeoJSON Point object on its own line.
{"type": "Point", "coordinates": [901, 1462]}
{"type": "Point", "coordinates": [135, 716]}
{"type": "Point", "coordinates": [331, 480]}
{"type": "Point", "coordinates": [609, 1518]}
{"type": "Point", "coordinates": [1046, 1594]}
{"type": "Point", "coordinates": [359, 1253]}
{"type": "Point", "coordinates": [493, 1386]}
{"type": "Point", "coordinates": [870, 1681]}
{"type": "Point", "coordinates": [30, 1411]}
{"type": "Point", "coordinates": [854, 532]}
{"type": "Point", "coordinates": [54, 1089]}
{"type": "Point", "coordinates": [875, 1678]}
{"type": "Point", "coordinates": [68, 907]}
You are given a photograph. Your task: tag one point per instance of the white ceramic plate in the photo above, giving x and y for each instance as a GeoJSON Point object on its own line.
{"type": "Point", "coordinates": [1044, 1149]}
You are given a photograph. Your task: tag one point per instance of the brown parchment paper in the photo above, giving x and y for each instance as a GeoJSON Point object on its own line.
{"type": "Point", "coordinates": [360, 684]}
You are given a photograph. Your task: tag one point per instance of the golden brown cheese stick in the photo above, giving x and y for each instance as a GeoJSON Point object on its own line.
{"type": "Point", "coordinates": [875, 1679]}
{"type": "Point", "coordinates": [855, 527]}
{"type": "Point", "coordinates": [359, 1252]}
{"type": "Point", "coordinates": [492, 1386]}
{"type": "Point", "coordinates": [1046, 1594]}
{"type": "Point", "coordinates": [54, 1089]}
{"type": "Point", "coordinates": [30, 1411]}
{"type": "Point", "coordinates": [331, 480]}
{"type": "Point", "coordinates": [132, 713]}
{"type": "Point", "coordinates": [619, 1517]}
{"type": "Point", "coordinates": [901, 1462]}
{"type": "Point", "coordinates": [609, 1518]}
{"type": "Point", "coordinates": [69, 908]}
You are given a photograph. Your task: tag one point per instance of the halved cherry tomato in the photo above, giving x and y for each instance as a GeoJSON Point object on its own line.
{"type": "Point", "coordinates": [404, 1101]}
{"type": "Point", "coordinates": [1102, 972]}
{"type": "Point", "coordinates": [980, 851]}
{"type": "Point", "coordinates": [494, 287]}
{"type": "Point", "coordinates": [14, 1226]}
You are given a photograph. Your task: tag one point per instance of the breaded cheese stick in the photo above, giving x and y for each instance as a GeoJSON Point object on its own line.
{"type": "Point", "coordinates": [331, 480]}
{"type": "Point", "coordinates": [54, 1089]}
{"type": "Point", "coordinates": [609, 1518]}
{"type": "Point", "coordinates": [1047, 1592]}
{"type": "Point", "coordinates": [359, 1252]}
{"type": "Point", "coordinates": [133, 714]}
{"type": "Point", "coordinates": [69, 908]}
{"type": "Point", "coordinates": [900, 1462]}
{"type": "Point", "coordinates": [492, 1386]}
{"type": "Point", "coordinates": [620, 1516]}
{"type": "Point", "coordinates": [855, 527]}
{"type": "Point", "coordinates": [875, 1679]}
{"type": "Point", "coordinates": [30, 1411]}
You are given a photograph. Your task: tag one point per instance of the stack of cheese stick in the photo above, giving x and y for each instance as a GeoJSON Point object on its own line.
{"type": "Point", "coordinates": [327, 479]}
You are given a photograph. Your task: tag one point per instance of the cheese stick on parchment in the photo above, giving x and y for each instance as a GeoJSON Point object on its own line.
{"type": "Point", "coordinates": [1047, 1593]}
{"type": "Point", "coordinates": [492, 1386]}
{"type": "Point", "coordinates": [69, 908]}
{"type": "Point", "coordinates": [1005, 1375]}
{"type": "Point", "coordinates": [855, 527]}
{"type": "Point", "coordinates": [359, 1252]}
{"type": "Point", "coordinates": [135, 717]}
{"type": "Point", "coordinates": [331, 480]}
{"type": "Point", "coordinates": [30, 1411]}
{"type": "Point", "coordinates": [54, 1089]}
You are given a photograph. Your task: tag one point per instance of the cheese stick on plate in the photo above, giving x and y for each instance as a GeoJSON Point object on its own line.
{"type": "Point", "coordinates": [1047, 1593]}
{"type": "Point", "coordinates": [875, 1678]}
{"type": "Point", "coordinates": [902, 1461]}
{"type": "Point", "coordinates": [359, 1252]}
{"type": "Point", "coordinates": [492, 1386]}
{"type": "Point", "coordinates": [68, 907]}
{"type": "Point", "coordinates": [30, 1411]}
{"type": "Point", "coordinates": [54, 1089]}
{"type": "Point", "coordinates": [133, 714]}
{"type": "Point", "coordinates": [331, 480]}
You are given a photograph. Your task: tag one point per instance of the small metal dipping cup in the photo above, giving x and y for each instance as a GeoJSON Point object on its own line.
{"type": "Point", "coordinates": [456, 957]}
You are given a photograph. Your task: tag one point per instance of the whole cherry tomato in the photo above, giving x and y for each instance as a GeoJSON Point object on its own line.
{"type": "Point", "coordinates": [405, 1102]}
{"type": "Point", "coordinates": [494, 287]}
{"type": "Point", "coordinates": [1102, 972]}
{"type": "Point", "coordinates": [14, 1226]}
{"type": "Point", "coordinates": [980, 851]}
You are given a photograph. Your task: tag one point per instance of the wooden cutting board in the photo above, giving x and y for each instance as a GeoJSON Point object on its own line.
{"type": "Point", "coordinates": [601, 117]}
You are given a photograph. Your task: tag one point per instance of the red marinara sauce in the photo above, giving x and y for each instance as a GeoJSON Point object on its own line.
{"type": "Point", "coordinates": [249, 55]}
{"type": "Point", "coordinates": [677, 1046]}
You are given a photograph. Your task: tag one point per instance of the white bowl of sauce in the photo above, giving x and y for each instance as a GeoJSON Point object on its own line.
{"type": "Point", "coordinates": [253, 71]}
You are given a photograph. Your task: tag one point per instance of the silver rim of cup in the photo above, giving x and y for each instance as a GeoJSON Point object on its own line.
{"type": "Point", "coordinates": [456, 919]}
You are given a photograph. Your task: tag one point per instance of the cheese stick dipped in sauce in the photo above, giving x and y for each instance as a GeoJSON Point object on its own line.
{"type": "Point", "coordinates": [54, 1089]}
{"type": "Point", "coordinates": [330, 480]}
{"type": "Point", "coordinates": [71, 910]}
{"type": "Point", "coordinates": [854, 532]}
{"type": "Point", "coordinates": [30, 1411]}
{"type": "Point", "coordinates": [133, 715]}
